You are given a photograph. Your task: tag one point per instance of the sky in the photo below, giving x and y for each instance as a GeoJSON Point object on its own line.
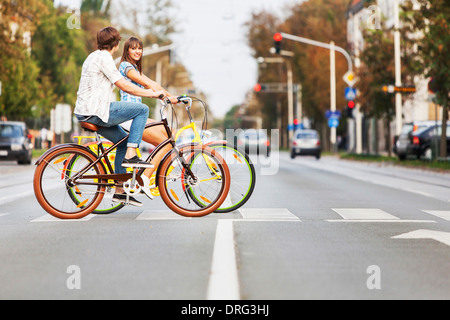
{"type": "Point", "coordinates": [211, 43]}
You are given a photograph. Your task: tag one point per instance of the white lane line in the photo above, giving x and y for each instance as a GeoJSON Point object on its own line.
{"type": "Point", "coordinates": [439, 213]}
{"type": "Point", "coordinates": [160, 215]}
{"type": "Point", "coordinates": [3, 214]}
{"type": "Point", "coordinates": [50, 218]}
{"type": "Point", "coordinates": [224, 281]}
{"type": "Point", "coordinates": [267, 214]}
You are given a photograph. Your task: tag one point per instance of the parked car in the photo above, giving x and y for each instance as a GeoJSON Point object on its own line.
{"type": "Point", "coordinates": [403, 143]}
{"type": "Point", "coordinates": [306, 142]}
{"type": "Point", "coordinates": [425, 139]}
{"type": "Point", "coordinates": [15, 142]}
{"type": "Point", "coordinates": [254, 141]}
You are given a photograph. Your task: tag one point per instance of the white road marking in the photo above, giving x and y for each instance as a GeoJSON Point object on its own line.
{"type": "Point", "coordinates": [223, 281]}
{"type": "Point", "coordinates": [364, 214]}
{"type": "Point", "coordinates": [160, 215]}
{"type": "Point", "coordinates": [267, 214]}
{"type": "Point", "coordinates": [439, 213]}
{"type": "Point", "coordinates": [50, 218]}
{"type": "Point", "coordinates": [369, 215]}
{"type": "Point", "coordinates": [443, 237]}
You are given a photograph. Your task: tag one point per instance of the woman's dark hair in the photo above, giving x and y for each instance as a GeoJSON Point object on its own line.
{"type": "Point", "coordinates": [108, 38]}
{"type": "Point", "coordinates": [132, 42]}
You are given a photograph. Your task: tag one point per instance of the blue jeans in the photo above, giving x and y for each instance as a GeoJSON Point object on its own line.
{"type": "Point", "coordinates": [119, 112]}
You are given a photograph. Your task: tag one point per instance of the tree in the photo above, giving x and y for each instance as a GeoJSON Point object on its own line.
{"type": "Point", "coordinates": [59, 53]}
{"type": "Point", "coordinates": [431, 28]}
{"type": "Point", "coordinates": [18, 71]}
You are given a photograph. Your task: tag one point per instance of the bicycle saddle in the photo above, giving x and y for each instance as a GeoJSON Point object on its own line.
{"type": "Point", "coordinates": [89, 126]}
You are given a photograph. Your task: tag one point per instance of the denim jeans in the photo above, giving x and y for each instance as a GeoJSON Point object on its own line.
{"type": "Point", "coordinates": [119, 112]}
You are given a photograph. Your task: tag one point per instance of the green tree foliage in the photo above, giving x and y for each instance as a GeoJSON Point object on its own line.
{"type": "Point", "coordinates": [430, 27]}
{"type": "Point", "coordinates": [18, 71]}
{"type": "Point", "coordinates": [320, 20]}
{"type": "Point", "coordinates": [59, 52]}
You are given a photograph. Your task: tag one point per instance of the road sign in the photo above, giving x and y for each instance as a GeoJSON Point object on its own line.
{"type": "Point", "coordinates": [350, 93]}
{"type": "Point", "coordinates": [350, 78]}
{"type": "Point", "coordinates": [63, 118]}
{"type": "Point", "coordinates": [332, 114]}
{"type": "Point", "coordinates": [403, 89]}
{"type": "Point", "coordinates": [333, 122]}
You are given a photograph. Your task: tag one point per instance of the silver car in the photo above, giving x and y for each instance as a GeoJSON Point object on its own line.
{"type": "Point", "coordinates": [254, 141]}
{"type": "Point", "coordinates": [306, 142]}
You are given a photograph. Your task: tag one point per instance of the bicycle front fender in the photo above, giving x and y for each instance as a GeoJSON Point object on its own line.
{"type": "Point", "coordinates": [180, 147]}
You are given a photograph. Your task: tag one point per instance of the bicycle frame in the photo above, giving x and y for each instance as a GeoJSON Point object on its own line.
{"type": "Point", "coordinates": [124, 176]}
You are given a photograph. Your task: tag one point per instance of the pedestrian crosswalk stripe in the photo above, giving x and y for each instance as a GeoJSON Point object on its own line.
{"type": "Point", "coordinates": [160, 215]}
{"type": "Point", "coordinates": [50, 218]}
{"type": "Point", "coordinates": [369, 215]}
{"type": "Point", "coordinates": [364, 214]}
{"type": "Point", "coordinates": [439, 213]}
{"type": "Point", "coordinates": [267, 214]}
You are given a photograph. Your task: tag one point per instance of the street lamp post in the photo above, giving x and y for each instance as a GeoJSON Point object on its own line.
{"type": "Point", "coordinates": [333, 48]}
{"type": "Point", "coordinates": [398, 74]}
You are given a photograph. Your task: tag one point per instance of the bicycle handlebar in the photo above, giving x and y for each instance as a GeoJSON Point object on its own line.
{"type": "Point", "coordinates": [166, 102]}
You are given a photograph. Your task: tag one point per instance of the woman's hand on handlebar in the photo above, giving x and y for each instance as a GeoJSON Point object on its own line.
{"type": "Point", "coordinates": [159, 94]}
{"type": "Point", "coordinates": [172, 99]}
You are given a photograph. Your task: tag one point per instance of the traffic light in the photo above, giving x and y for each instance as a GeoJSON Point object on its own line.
{"type": "Point", "coordinates": [259, 87]}
{"type": "Point", "coordinates": [277, 39]}
{"type": "Point", "coordinates": [351, 104]}
{"type": "Point", "coordinates": [349, 109]}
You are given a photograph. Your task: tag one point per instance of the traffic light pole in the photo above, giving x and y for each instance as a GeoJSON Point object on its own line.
{"type": "Point", "coordinates": [333, 48]}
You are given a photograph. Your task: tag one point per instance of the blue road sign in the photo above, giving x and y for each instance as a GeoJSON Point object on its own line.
{"type": "Point", "coordinates": [335, 114]}
{"type": "Point", "coordinates": [350, 93]}
{"type": "Point", "coordinates": [333, 122]}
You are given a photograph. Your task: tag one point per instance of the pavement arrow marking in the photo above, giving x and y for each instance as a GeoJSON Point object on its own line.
{"type": "Point", "coordinates": [443, 237]}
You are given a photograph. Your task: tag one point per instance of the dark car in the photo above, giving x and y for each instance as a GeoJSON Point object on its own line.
{"type": "Point", "coordinates": [305, 142]}
{"type": "Point", "coordinates": [15, 142]}
{"type": "Point", "coordinates": [424, 140]}
{"type": "Point", "coordinates": [403, 143]}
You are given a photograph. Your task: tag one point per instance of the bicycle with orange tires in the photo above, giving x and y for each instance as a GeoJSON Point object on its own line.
{"type": "Point", "coordinates": [71, 180]}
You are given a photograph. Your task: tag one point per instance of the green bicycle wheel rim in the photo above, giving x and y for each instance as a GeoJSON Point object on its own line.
{"type": "Point", "coordinates": [74, 196]}
{"type": "Point", "coordinates": [248, 189]}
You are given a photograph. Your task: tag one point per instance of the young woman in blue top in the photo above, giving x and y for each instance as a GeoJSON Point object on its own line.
{"type": "Point", "coordinates": [131, 69]}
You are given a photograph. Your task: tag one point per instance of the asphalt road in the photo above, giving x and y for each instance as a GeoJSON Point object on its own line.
{"type": "Point", "coordinates": [327, 229]}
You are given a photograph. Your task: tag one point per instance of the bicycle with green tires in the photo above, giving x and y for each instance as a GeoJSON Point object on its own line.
{"type": "Point", "coordinates": [242, 170]}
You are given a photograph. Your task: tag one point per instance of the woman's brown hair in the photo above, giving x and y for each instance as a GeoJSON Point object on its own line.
{"type": "Point", "coordinates": [132, 42]}
{"type": "Point", "coordinates": [108, 38]}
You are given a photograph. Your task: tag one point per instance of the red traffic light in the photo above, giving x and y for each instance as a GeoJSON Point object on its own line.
{"type": "Point", "coordinates": [351, 104]}
{"type": "Point", "coordinates": [296, 122]}
{"type": "Point", "coordinates": [277, 36]}
{"type": "Point", "coordinates": [257, 87]}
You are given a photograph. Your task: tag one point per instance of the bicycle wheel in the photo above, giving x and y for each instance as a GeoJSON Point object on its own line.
{"type": "Point", "coordinates": [210, 183]}
{"type": "Point", "coordinates": [53, 186]}
{"type": "Point", "coordinates": [243, 176]}
{"type": "Point", "coordinates": [107, 206]}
